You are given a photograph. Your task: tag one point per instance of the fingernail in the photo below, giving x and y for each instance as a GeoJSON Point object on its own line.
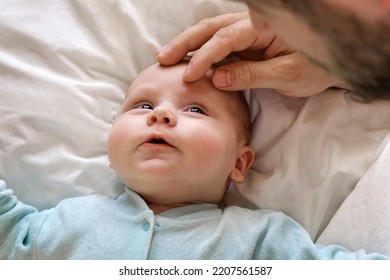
{"type": "Point", "coordinates": [162, 50]}
{"type": "Point", "coordinates": [222, 78]}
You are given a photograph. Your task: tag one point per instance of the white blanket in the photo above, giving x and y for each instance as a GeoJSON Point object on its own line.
{"type": "Point", "coordinates": [311, 154]}
{"type": "Point", "coordinates": [367, 222]}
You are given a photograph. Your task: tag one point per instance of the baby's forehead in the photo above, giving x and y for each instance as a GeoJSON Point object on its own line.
{"type": "Point", "coordinates": [159, 77]}
{"type": "Point", "coordinates": [175, 71]}
{"type": "Point", "coordinates": [157, 69]}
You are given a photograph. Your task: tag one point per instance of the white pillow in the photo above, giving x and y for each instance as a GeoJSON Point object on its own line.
{"type": "Point", "coordinates": [311, 152]}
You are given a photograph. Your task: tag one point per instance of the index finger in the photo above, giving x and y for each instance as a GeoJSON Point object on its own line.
{"type": "Point", "coordinates": [194, 37]}
{"type": "Point", "coordinates": [237, 37]}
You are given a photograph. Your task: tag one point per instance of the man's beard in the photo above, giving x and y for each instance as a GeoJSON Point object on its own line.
{"type": "Point", "coordinates": [363, 60]}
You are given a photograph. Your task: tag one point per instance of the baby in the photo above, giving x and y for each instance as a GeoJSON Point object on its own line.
{"type": "Point", "coordinates": [177, 146]}
{"type": "Point", "coordinates": [178, 143]}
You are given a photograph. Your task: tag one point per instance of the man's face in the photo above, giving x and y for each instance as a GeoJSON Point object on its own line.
{"type": "Point", "coordinates": [347, 39]}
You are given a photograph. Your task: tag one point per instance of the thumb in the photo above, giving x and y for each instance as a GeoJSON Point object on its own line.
{"type": "Point", "coordinates": [276, 73]}
{"type": "Point", "coordinates": [243, 75]}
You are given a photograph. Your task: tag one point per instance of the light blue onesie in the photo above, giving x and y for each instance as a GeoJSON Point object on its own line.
{"type": "Point", "coordinates": [97, 227]}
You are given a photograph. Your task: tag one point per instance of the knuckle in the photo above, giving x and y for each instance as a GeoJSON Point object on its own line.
{"type": "Point", "coordinates": [206, 23]}
{"type": "Point", "coordinates": [244, 76]}
{"type": "Point", "coordinates": [225, 33]}
{"type": "Point", "coordinates": [289, 68]}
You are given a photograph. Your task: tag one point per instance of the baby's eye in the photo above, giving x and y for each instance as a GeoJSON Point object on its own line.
{"type": "Point", "coordinates": [145, 106]}
{"type": "Point", "coordinates": [195, 109]}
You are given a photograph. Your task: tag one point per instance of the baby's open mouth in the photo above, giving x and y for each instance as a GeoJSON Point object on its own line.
{"type": "Point", "coordinates": [157, 141]}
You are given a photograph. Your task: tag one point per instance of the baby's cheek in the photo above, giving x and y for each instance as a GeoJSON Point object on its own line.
{"type": "Point", "coordinates": [116, 143]}
{"type": "Point", "coordinates": [114, 139]}
{"type": "Point", "coordinates": [212, 148]}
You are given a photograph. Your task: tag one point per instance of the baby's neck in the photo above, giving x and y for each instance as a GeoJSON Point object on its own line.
{"type": "Point", "coordinates": [159, 208]}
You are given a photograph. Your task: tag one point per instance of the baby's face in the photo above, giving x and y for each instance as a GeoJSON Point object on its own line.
{"type": "Point", "coordinates": [174, 142]}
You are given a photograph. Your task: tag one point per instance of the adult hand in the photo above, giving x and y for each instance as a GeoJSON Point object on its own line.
{"type": "Point", "coordinates": [266, 61]}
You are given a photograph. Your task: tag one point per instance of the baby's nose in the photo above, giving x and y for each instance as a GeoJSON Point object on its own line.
{"type": "Point", "coordinates": [162, 115]}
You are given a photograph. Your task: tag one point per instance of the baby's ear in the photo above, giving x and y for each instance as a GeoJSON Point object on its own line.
{"type": "Point", "coordinates": [243, 163]}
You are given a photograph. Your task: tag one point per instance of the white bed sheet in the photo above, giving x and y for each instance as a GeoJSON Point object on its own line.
{"type": "Point", "coordinates": [64, 70]}
{"type": "Point", "coordinates": [316, 157]}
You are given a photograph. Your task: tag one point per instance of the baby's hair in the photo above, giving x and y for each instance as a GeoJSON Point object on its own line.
{"type": "Point", "coordinates": [243, 114]}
